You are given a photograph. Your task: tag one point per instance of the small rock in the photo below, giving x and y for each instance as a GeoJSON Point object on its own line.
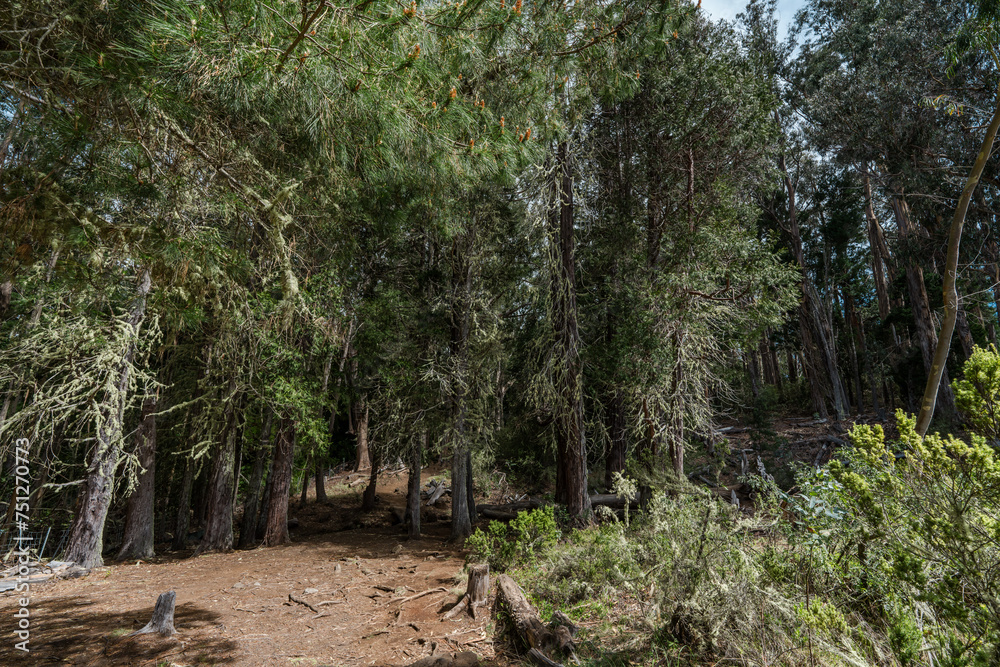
{"type": "Point", "coordinates": [311, 591]}
{"type": "Point", "coordinates": [336, 568]}
{"type": "Point", "coordinates": [239, 585]}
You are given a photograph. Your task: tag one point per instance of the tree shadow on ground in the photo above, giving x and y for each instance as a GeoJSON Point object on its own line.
{"type": "Point", "coordinates": [75, 631]}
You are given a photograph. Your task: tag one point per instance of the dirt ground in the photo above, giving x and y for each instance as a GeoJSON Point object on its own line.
{"type": "Point", "coordinates": [234, 608]}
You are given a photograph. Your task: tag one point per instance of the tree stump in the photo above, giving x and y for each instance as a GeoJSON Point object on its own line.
{"type": "Point", "coordinates": [476, 593]}
{"type": "Point", "coordinates": [163, 616]}
{"type": "Point", "coordinates": [535, 635]}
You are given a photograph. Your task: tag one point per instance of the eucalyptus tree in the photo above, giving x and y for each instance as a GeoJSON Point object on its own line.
{"type": "Point", "coordinates": [871, 82]}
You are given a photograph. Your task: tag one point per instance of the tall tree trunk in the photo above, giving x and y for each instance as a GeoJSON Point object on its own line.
{"type": "Point", "coordinates": [138, 538]}
{"type": "Point", "coordinates": [470, 489]}
{"type": "Point", "coordinates": [306, 469]}
{"type": "Point", "coordinates": [816, 331]}
{"type": "Point", "coordinates": [937, 373]}
{"type": "Point", "coordinates": [277, 505]}
{"type": "Point", "coordinates": [615, 460]}
{"type": "Point", "coordinates": [964, 334]}
{"type": "Point", "coordinates": [413, 487]}
{"type": "Point", "coordinates": [266, 496]}
{"type": "Point", "coordinates": [460, 316]}
{"type": "Point", "coordinates": [772, 355]}
{"type": "Point", "coordinates": [184, 505]}
{"type": "Point", "coordinates": [879, 249]}
{"type": "Point", "coordinates": [924, 325]}
{"type": "Point", "coordinates": [218, 534]}
{"type": "Point", "coordinates": [571, 442]}
{"type": "Point", "coordinates": [251, 504]}
{"type": "Point", "coordinates": [369, 497]}
{"type": "Point", "coordinates": [320, 480]}
{"type": "Point", "coordinates": [362, 458]}
{"type": "Point", "coordinates": [85, 542]}
{"type": "Point", "coordinates": [753, 368]}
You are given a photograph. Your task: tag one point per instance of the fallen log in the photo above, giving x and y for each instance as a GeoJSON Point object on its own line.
{"type": "Point", "coordinates": [163, 616]}
{"type": "Point", "coordinates": [830, 439]}
{"type": "Point", "coordinates": [611, 500]}
{"type": "Point", "coordinates": [540, 640]}
{"type": "Point", "coordinates": [438, 492]}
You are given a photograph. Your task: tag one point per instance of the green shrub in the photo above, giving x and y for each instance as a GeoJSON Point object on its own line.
{"type": "Point", "coordinates": [935, 508]}
{"type": "Point", "coordinates": [506, 545]}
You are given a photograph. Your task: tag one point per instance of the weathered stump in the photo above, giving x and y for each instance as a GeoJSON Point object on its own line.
{"type": "Point", "coordinates": [541, 640]}
{"type": "Point", "coordinates": [476, 593]}
{"type": "Point", "coordinates": [163, 616]}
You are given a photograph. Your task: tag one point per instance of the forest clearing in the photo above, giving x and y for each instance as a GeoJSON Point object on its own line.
{"type": "Point", "coordinates": [445, 332]}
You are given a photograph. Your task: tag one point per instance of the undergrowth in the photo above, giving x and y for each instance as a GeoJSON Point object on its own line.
{"type": "Point", "coordinates": [889, 556]}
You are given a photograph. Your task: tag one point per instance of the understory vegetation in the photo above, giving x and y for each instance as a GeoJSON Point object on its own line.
{"type": "Point", "coordinates": [888, 555]}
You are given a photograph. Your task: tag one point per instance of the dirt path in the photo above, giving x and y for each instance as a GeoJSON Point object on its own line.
{"type": "Point", "coordinates": [234, 608]}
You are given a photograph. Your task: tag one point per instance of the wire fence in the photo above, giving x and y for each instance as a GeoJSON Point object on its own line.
{"type": "Point", "coordinates": [41, 543]}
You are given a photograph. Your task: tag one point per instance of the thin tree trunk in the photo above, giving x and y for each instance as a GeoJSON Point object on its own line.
{"type": "Point", "coordinates": [184, 505]}
{"type": "Point", "coordinates": [815, 329]}
{"type": "Point", "coordinates": [470, 489]}
{"type": "Point", "coordinates": [85, 542]}
{"type": "Point", "coordinates": [218, 535]}
{"type": "Point", "coordinates": [460, 315]}
{"type": "Point", "coordinates": [878, 248]}
{"type": "Point", "coordinates": [277, 505]}
{"type": "Point", "coordinates": [369, 497]}
{"type": "Point", "coordinates": [251, 504]}
{"type": "Point", "coordinates": [320, 480]}
{"type": "Point", "coordinates": [793, 375]}
{"type": "Point", "coordinates": [937, 372]}
{"type": "Point", "coordinates": [924, 325]}
{"type": "Point", "coordinates": [362, 459]}
{"type": "Point", "coordinates": [138, 539]}
{"type": "Point", "coordinates": [266, 496]}
{"type": "Point", "coordinates": [571, 442]}
{"type": "Point", "coordinates": [306, 469]}
{"type": "Point", "coordinates": [615, 460]}
{"type": "Point", "coordinates": [964, 335]}
{"type": "Point", "coordinates": [413, 487]}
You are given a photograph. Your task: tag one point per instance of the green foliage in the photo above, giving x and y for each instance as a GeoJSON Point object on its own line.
{"type": "Point", "coordinates": [977, 393]}
{"type": "Point", "coordinates": [933, 507]}
{"type": "Point", "coordinates": [506, 545]}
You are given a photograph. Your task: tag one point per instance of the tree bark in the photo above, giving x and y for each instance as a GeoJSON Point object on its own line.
{"type": "Point", "coordinates": [950, 289]}
{"type": "Point", "coordinates": [85, 542]}
{"type": "Point", "coordinates": [460, 316]}
{"type": "Point", "coordinates": [413, 488]}
{"type": "Point", "coordinates": [306, 469]}
{"type": "Point", "coordinates": [615, 459]}
{"type": "Point", "coordinates": [184, 506]}
{"type": "Point", "coordinates": [362, 460]}
{"type": "Point", "coordinates": [571, 442]}
{"type": "Point", "coordinates": [470, 489]}
{"type": "Point", "coordinates": [878, 248]}
{"type": "Point", "coordinates": [369, 497]}
{"type": "Point", "coordinates": [251, 504]}
{"type": "Point", "coordinates": [924, 325]}
{"type": "Point", "coordinates": [819, 356]}
{"type": "Point", "coordinates": [218, 535]}
{"type": "Point", "coordinates": [138, 539]}
{"type": "Point", "coordinates": [163, 616]}
{"type": "Point", "coordinates": [277, 505]}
